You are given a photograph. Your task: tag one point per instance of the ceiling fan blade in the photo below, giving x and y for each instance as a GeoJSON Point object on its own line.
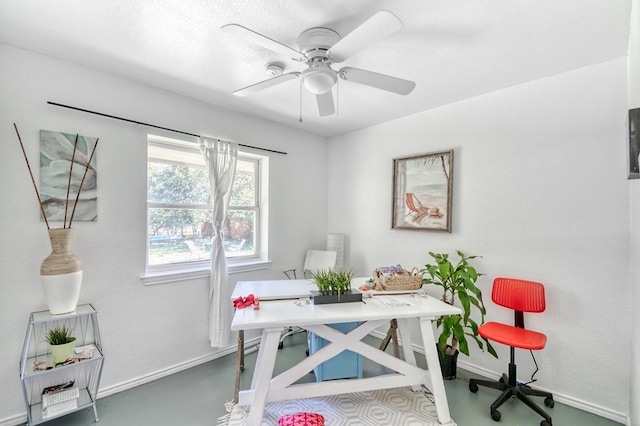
{"type": "Point", "coordinates": [325, 104]}
{"type": "Point", "coordinates": [379, 26]}
{"type": "Point", "coordinates": [379, 81]}
{"type": "Point", "coordinates": [266, 84]}
{"type": "Point", "coordinates": [261, 40]}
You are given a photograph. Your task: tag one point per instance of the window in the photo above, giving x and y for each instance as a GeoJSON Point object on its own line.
{"type": "Point", "coordinates": [179, 216]}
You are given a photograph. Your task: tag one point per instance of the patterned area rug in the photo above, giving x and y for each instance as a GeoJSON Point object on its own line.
{"type": "Point", "coordinates": [398, 407]}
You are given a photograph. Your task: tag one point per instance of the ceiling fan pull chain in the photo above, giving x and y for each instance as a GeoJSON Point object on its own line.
{"type": "Point", "coordinates": [300, 117]}
{"type": "Point", "coordinates": [338, 97]}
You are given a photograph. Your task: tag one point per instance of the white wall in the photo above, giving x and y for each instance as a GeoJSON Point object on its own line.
{"type": "Point", "coordinates": [540, 191]}
{"type": "Point", "coordinates": [136, 320]}
{"type": "Point", "coordinates": [634, 195]}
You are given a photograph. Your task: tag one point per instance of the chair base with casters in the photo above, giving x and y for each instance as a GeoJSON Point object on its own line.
{"type": "Point", "coordinates": [511, 388]}
{"type": "Point", "coordinates": [290, 331]}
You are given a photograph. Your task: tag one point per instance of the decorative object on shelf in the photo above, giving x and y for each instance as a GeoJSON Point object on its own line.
{"type": "Point", "coordinates": [61, 343]}
{"type": "Point", "coordinates": [61, 271]}
{"type": "Point", "coordinates": [79, 375]}
{"type": "Point", "coordinates": [457, 281]}
{"type": "Point", "coordinates": [333, 287]}
{"type": "Point", "coordinates": [394, 278]}
{"type": "Point", "coordinates": [422, 190]}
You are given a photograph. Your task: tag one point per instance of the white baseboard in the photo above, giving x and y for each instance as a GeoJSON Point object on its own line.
{"type": "Point", "coordinates": [251, 345]}
{"type": "Point", "coordinates": [110, 390]}
{"type": "Point", "coordinates": [564, 399]}
{"type": "Point", "coordinates": [558, 397]}
{"type": "Point", "coordinates": [15, 420]}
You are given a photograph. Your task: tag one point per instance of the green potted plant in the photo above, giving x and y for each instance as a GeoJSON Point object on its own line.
{"type": "Point", "coordinates": [333, 287]}
{"type": "Point", "coordinates": [61, 344]}
{"type": "Point", "coordinates": [458, 283]}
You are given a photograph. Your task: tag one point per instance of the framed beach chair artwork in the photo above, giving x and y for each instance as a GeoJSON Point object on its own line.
{"type": "Point", "coordinates": [422, 187]}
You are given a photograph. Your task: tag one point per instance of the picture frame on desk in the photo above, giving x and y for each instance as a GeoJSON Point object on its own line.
{"type": "Point", "coordinates": [422, 192]}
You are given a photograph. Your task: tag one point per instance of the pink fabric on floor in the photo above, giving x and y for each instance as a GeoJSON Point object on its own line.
{"type": "Point", "coordinates": [302, 419]}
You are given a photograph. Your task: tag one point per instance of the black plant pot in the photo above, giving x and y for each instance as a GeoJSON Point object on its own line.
{"type": "Point", "coordinates": [448, 364]}
{"type": "Point", "coordinates": [322, 299]}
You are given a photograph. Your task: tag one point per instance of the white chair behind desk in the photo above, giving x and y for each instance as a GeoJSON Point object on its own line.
{"type": "Point", "coordinates": [314, 261]}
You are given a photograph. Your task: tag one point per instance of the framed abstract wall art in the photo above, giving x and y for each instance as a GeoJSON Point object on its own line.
{"type": "Point", "coordinates": [58, 190]}
{"type": "Point", "coordinates": [422, 190]}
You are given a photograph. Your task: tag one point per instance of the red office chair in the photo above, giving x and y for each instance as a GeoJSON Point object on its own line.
{"type": "Point", "coordinates": [521, 296]}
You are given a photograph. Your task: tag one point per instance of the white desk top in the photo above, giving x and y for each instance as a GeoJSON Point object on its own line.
{"type": "Point", "coordinates": [282, 313]}
{"type": "Point", "coordinates": [292, 289]}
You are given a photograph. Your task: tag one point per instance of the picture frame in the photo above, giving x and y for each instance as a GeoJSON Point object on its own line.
{"type": "Point", "coordinates": [58, 190]}
{"type": "Point", "coordinates": [422, 192]}
{"type": "Point", "coordinates": [634, 143]}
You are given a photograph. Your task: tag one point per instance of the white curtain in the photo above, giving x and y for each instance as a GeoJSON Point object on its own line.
{"type": "Point", "coordinates": [220, 157]}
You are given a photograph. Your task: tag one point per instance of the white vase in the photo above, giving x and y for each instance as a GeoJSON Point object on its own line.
{"type": "Point", "coordinates": [61, 274]}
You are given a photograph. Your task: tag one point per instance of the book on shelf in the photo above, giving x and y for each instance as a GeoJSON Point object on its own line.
{"type": "Point", "coordinates": [59, 399]}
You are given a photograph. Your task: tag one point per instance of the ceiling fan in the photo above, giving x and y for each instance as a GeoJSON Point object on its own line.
{"type": "Point", "coordinates": [319, 48]}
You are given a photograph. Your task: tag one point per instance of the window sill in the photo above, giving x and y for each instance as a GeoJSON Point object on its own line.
{"type": "Point", "coordinates": [184, 274]}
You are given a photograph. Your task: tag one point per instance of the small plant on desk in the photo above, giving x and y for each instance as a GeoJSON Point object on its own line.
{"type": "Point", "coordinates": [333, 282]}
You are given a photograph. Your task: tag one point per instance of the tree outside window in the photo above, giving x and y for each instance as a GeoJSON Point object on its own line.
{"type": "Point", "coordinates": [179, 217]}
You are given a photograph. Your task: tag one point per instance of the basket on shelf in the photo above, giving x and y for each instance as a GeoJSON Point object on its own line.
{"type": "Point", "coordinates": [398, 280]}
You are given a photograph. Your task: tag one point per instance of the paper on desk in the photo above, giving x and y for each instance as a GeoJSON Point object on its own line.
{"type": "Point", "coordinates": [389, 302]}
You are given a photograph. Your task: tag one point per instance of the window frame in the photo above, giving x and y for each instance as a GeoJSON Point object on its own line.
{"type": "Point", "coordinates": [180, 271]}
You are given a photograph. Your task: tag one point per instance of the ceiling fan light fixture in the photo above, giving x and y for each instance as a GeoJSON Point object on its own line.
{"type": "Point", "coordinates": [274, 69]}
{"type": "Point", "coordinates": [319, 80]}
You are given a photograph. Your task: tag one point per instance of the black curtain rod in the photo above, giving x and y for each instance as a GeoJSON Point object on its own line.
{"type": "Point", "coordinates": [153, 125]}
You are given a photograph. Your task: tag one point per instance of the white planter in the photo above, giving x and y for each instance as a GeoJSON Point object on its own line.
{"type": "Point", "coordinates": [61, 353]}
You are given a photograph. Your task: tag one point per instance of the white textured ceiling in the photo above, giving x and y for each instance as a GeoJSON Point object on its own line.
{"type": "Point", "coordinates": [452, 49]}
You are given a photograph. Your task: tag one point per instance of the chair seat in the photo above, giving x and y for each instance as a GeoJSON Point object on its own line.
{"type": "Point", "coordinates": [513, 336]}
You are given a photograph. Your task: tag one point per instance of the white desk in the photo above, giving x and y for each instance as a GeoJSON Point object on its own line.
{"type": "Point", "coordinates": [273, 315]}
{"type": "Point", "coordinates": [267, 290]}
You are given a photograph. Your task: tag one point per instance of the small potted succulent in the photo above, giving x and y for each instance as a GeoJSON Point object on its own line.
{"type": "Point", "coordinates": [61, 344]}
{"type": "Point", "coordinates": [458, 283]}
{"type": "Point", "coordinates": [333, 287]}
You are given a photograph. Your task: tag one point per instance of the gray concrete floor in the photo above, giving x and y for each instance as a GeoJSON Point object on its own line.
{"type": "Point", "coordinates": [197, 396]}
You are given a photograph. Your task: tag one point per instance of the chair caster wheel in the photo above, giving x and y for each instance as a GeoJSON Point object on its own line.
{"type": "Point", "coordinates": [280, 345]}
{"type": "Point", "coordinates": [549, 402]}
{"type": "Point", "coordinates": [473, 387]}
{"type": "Point", "coordinates": [495, 415]}
{"type": "Point", "coordinates": [545, 423]}
{"type": "Point", "coordinates": [306, 352]}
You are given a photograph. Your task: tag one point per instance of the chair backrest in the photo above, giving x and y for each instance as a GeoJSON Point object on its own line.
{"type": "Point", "coordinates": [317, 260]}
{"type": "Point", "coordinates": [519, 295]}
{"type": "Point", "coordinates": [409, 197]}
